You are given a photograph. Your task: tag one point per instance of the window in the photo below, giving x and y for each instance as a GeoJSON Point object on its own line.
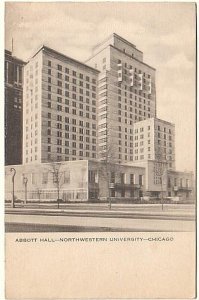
{"type": "Point", "coordinates": [59, 67]}
{"type": "Point", "coordinates": [59, 83]}
{"type": "Point", "coordinates": [59, 91]}
{"type": "Point", "coordinates": [140, 179]}
{"type": "Point", "coordinates": [59, 75]}
{"type": "Point", "coordinates": [122, 178]}
{"type": "Point", "coordinates": [132, 178]}
{"type": "Point", "coordinates": [45, 177]}
{"type": "Point", "coordinates": [59, 118]}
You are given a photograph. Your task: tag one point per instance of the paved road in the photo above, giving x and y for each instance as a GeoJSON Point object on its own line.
{"type": "Point", "coordinates": [124, 224]}
{"type": "Point", "coordinates": [26, 227]}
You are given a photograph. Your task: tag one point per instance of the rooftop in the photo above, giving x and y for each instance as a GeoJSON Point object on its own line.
{"type": "Point", "coordinates": [8, 55]}
{"type": "Point", "coordinates": [118, 37]}
{"type": "Point", "coordinates": [63, 57]}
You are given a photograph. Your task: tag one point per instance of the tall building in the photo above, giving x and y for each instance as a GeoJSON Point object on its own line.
{"type": "Point", "coordinates": [154, 139]}
{"type": "Point", "coordinates": [13, 108]}
{"type": "Point", "coordinates": [103, 110]}
{"type": "Point", "coordinates": [60, 109]}
{"type": "Point", "coordinates": [127, 94]}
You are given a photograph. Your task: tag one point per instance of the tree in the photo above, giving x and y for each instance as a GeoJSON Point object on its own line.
{"type": "Point", "coordinates": [161, 169]}
{"type": "Point", "coordinates": [36, 181]}
{"type": "Point", "coordinates": [108, 165]}
{"type": "Point", "coordinates": [58, 177]}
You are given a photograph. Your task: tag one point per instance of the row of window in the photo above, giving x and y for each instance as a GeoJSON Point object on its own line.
{"type": "Point", "coordinates": [131, 106]}
{"type": "Point", "coordinates": [60, 91]}
{"type": "Point", "coordinates": [59, 82]}
{"type": "Point", "coordinates": [67, 101]}
{"type": "Point", "coordinates": [73, 137]}
{"type": "Point", "coordinates": [135, 69]}
{"type": "Point", "coordinates": [72, 72]}
{"type": "Point", "coordinates": [135, 91]}
{"type": "Point", "coordinates": [74, 145]}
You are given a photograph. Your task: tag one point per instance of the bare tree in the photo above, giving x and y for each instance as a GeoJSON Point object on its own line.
{"type": "Point", "coordinates": [108, 165]}
{"type": "Point", "coordinates": [56, 168]}
{"type": "Point", "coordinates": [161, 169]}
{"type": "Point", "coordinates": [37, 185]}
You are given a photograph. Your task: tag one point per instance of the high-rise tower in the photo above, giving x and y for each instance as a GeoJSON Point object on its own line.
{"type": "Point", "coordinates": [127, 94]}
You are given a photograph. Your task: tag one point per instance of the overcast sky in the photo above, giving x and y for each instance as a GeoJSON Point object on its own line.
{"type": "Point", "coordinates": [165, 32]}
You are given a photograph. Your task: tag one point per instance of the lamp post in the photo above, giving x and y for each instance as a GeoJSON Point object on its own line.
{"type": "Point", "coordinates": [13, 186]}
{"type": "Point", "coordinates": [25, 181]}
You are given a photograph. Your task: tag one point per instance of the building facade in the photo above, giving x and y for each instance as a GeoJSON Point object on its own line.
{"type": "Point", "coordinates": [160, 180]}
{"type": "Point", "coordinates": [154, 139]}
{"type": "Point", "coordinates": [79, 181]}
{"type": "Point", "coordinates": [60, 109]}
{"type": "Point", "coordinates": [180, 184]}
{"type": "Point", "coordinates": [87, 180]}
{"type": "Point", "coordinates": [127, 94]}
{"type": "Point", "coordinates": [13, 108]}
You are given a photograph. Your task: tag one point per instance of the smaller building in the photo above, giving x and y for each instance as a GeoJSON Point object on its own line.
{"type": "Point", "coordinates": [84, 180]}
{"type": "Point", "coordinates": [154, 139]}
{"type": "Point", "coordinates": [160, 180]}
{"type": "Point", "coordinates": [75, 181]}
{"type": "Point", "coordinates": [116, 180]}
{"type": "Point", "coordinates": [180, 184]}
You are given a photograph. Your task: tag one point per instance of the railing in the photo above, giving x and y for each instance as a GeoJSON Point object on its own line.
{"type": "Point", "coordinates": [124, 186]}
{"type": "Point", "coordinates": [181, 188]}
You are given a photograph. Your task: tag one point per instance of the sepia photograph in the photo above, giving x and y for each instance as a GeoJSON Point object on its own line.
{"type": "Point", "coordinates": [100, 134]}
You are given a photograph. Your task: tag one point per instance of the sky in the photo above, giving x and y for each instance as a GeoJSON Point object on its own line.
{"type": "Point", "coordinates": [164, 32]}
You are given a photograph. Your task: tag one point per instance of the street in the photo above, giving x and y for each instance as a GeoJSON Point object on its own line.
{"type": "Point", "coordinates": [97, 217]}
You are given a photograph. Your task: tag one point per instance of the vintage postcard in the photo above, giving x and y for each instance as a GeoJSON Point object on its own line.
{"type": "Point", "coordinates": [100, 150]}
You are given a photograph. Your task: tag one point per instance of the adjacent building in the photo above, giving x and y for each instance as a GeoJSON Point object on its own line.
{"type": "Point", "coordinates": [60, 109]}
{"type": "Point", "coordinates": [79, 181]}
{"type": "Point", "coordinates": [180, 184]}
{"type": "Point", "coordinates": [13, 108]}
{"type": "Point", "coordinates": [154, 139]}
{"type": "Point", "coordinates": [84, 180]}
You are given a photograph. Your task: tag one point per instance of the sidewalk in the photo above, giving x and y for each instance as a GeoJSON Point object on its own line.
{"type": "Point", "coordinates": [101, 212]}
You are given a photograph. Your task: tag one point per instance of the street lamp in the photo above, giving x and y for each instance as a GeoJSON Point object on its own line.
{"type": "Point", "coordinates": [13, 186]}
{"type": "Point", "coordinates": [25, 181]}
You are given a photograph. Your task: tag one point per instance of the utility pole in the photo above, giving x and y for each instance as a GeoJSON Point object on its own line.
{"type": "Point", "coordinates": [25, 181]}
{"type": "Point", "coordinates": [13, 186]}
{"type": "Point", "coordinates": [12, 45]}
